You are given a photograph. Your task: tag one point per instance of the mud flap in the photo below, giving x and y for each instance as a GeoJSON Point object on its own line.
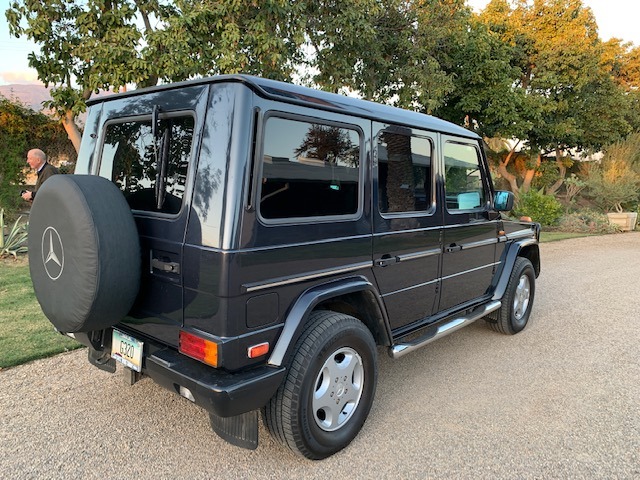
{"type": "Point", "coordinates": [241, 430]}
{"type": "Point", "coordinates": [102, 360]}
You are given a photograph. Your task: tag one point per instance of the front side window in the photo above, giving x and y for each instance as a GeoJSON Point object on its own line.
{"type": "Point", "coordinates": [463, 177]}
{"type": "Point", "coordinates": [151, 172]}
{"type": "Point", "coordinates": [404, 172]}
{"type": "Point", "coordinates": [309, 170]}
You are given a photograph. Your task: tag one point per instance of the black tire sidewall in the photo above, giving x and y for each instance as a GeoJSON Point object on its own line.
{"type": "Point", "coordinates": [321, 440]}
{"type": "Point", "coordinates": [317, 443]}
{"type": "Point", "coordinates": [522, 267]}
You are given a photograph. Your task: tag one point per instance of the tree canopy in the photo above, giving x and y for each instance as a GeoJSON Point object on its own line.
{"type": "Point", "coordinates": [533, 70]}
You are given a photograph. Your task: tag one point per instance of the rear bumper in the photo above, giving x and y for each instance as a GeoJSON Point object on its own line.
{"type": "Point", "coordinates": [224, 394]}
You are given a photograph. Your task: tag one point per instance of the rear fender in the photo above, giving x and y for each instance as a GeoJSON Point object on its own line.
{"type": "Point", "coordinates": [305, 304]}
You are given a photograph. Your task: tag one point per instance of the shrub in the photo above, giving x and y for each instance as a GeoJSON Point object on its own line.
{"type": "Point", "coordinates": [16, 240]}
{"type": "Point", "coordinates": [540, 207]}
{"type": "Point", "coordinates": [614, 182]}
{"type": "Point", "coordinates": [586, 221]}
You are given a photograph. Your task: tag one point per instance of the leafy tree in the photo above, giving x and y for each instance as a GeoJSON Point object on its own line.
{"type": "Point", "coordinates": [329, 144]}
{"type": "Point", "coordinates": [107, 44]}
{"type": "Point", "coordinates": [390, 51]}
{"type": "Point", "coordinates": [91, 45]}
{"type": "Point", "coordinates": [572, 100]}
{"type": "Point", "coordinates": [229, 36]}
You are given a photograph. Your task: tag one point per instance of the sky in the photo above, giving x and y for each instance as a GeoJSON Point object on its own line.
{"type": "Point", "coordinates": [615, 18]}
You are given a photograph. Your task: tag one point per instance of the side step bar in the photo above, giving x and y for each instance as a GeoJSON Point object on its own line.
{"type": "Point", "coordinates": [450, 326]}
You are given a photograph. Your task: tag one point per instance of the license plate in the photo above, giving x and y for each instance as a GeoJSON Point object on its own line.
{"type": "Point", "coordinates": [126, 350]}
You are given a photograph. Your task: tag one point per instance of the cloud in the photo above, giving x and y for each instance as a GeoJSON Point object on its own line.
{"type": "Point", "coordinates": [19, 77]}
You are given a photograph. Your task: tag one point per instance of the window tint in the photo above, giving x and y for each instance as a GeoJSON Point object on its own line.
{"type": "Point", "coordinates": [309, 170]}
{"type": "Point", "coordinates": [463, 178]}
{"type": "Point", "coordinates": [129, 158]}
{"type": "Point", "coordinates": [404, 173]}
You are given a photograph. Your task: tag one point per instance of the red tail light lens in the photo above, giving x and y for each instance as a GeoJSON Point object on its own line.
{"type": "Point", "coordinates": [199, 348]}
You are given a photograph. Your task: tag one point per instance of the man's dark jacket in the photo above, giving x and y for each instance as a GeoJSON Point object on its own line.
{"type": "Point", "coordinates": [45, 172]}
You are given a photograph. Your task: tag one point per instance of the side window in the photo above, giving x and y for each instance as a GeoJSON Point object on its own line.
{"type": "Point", "coordinates": [463, 177]}
{"type": "Point", "coordinates": [129, 159]}
{"type": "Point", "coordinates": [309, 170]}
{"type": "Point", "coordinates": [404, 172]}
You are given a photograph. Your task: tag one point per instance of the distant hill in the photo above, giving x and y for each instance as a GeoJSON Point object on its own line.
{"type": "Point", "coordinates": [32, 95]}
{"type": "Point", "coordinates": [29, 95]}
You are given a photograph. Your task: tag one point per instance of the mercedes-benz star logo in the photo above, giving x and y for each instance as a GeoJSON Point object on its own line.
{"type": "Point", "coordinates": [52, 253]}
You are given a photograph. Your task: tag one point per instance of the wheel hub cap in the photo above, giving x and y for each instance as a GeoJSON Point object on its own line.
{"type": "Point", "coordinates": [338, 389]}
{"type": "Point", "coordinates": [521, 297]}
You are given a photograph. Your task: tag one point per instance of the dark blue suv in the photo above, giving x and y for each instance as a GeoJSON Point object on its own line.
{"type": "Point", "coordinates": [249, 244]}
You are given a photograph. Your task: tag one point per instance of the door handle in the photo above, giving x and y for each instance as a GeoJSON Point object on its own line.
{"type": "Point", "coordinates": [453, 248]}
{"type": "Point", "coordinates": [169, 267]}
{"type": "Point", "coordinates": [386, 260]}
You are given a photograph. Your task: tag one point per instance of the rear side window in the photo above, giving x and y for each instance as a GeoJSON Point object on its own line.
{"type": "Point", "coordinates": [463, 177]}
{"type": "Point", "coordinates": [404, 172]}
{"type": "Point", "coordinates": [309, 170]}
{"type": "Point", "coordinates": [151, 173]}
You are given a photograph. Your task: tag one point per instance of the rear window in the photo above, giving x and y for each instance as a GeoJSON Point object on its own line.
{"type": "Point", "coordinates": [309, 170]}
{"type": "Point", "coordinates": [131, 158]}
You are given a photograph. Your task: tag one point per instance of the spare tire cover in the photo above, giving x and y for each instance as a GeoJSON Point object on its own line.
{"type": "Point", "coordinates": [84, 252]}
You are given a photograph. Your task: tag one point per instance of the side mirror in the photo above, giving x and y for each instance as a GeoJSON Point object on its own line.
{"type": "Point", "coordinates": [503, 201]}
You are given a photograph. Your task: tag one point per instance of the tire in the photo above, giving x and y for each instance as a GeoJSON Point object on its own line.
{"type": "Point", "coordinates": [84, 253]}
{"type": "Point", "coordinates": [517, 301]}
{"type": "Point", "coordinates": [302, 415]}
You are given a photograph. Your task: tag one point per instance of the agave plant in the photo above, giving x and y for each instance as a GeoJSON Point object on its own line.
{"type": "Point", "coordinates": [16, 240]}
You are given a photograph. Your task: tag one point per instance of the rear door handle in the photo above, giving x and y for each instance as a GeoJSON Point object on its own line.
{"type": "Point", "coordinates": [386, 260]}
{"type": "Point", "coordinates": [169, 267]}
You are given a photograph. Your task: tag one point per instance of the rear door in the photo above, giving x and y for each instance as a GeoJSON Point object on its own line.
{"type": "Point", "coordinates": [407, 223]}
{"type": "Point", "coordinates": [148, 150]}
{"type": "Point", "coordinates": [470, 238]}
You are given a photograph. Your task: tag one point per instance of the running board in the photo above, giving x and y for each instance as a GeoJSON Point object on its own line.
{"type": "Point", "coordinates": [400, 349]}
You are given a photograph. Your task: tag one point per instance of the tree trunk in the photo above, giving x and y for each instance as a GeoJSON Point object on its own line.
{"type": "Point", "coordinates": [562, 169]}
{"type": "Point", "coordinates": [73, 132]}
{"type": "Point", "coordinates": [529, 174]}
{"type": "Point", "coordinates": [502, 170]}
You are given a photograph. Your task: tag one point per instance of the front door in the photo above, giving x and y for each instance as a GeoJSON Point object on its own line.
{"type": "Point", "coordinates": [469, 238]}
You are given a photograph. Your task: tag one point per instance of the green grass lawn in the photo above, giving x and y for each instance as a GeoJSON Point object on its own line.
{"type": "Point", "coordinates": [25, 333]}
{"type": "Point", "coordinates": [555, 236]}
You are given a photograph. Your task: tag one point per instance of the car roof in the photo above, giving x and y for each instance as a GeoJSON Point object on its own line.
{"type": "Point", "coordinates": [296, 94]}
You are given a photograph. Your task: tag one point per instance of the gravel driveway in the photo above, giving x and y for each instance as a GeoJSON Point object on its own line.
{"type": "Point", "coordinates": [559, 400]}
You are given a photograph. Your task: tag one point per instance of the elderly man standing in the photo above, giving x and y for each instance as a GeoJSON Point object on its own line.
{"type": "Point", "coordinates": [37, 160]}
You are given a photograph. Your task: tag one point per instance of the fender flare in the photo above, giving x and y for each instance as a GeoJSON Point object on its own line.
{"type": "Point", "coordinates": [511, 254]}
{"type": "Point", "coordinates": [307, 301]}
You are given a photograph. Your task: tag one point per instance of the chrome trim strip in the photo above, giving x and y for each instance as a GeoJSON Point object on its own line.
{"type": "Point", "coordinates": [411, 288]}
{"type": "Point", "coordinates": [300, 244]}
{"type": "Point", "coordinates": [416, 255]}
{"type": "Point", "coordinates": [481, 222]}
{"type": "Point", "coordinates": [277, 282]}
{"type": "Point", "coordinates": [520, 234]}
{"type": "Point", "coordinates": [490, 265]}
{"type": "Point", "coordinates": [400, 349]}
{"type": "Point", "coordinates": [412, 230]}
{"type": "Point", "coordinates": [479, 243]}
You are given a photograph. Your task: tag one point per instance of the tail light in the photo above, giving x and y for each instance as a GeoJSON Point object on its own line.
{"type": "Point", "coordinates": [199, 348]}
